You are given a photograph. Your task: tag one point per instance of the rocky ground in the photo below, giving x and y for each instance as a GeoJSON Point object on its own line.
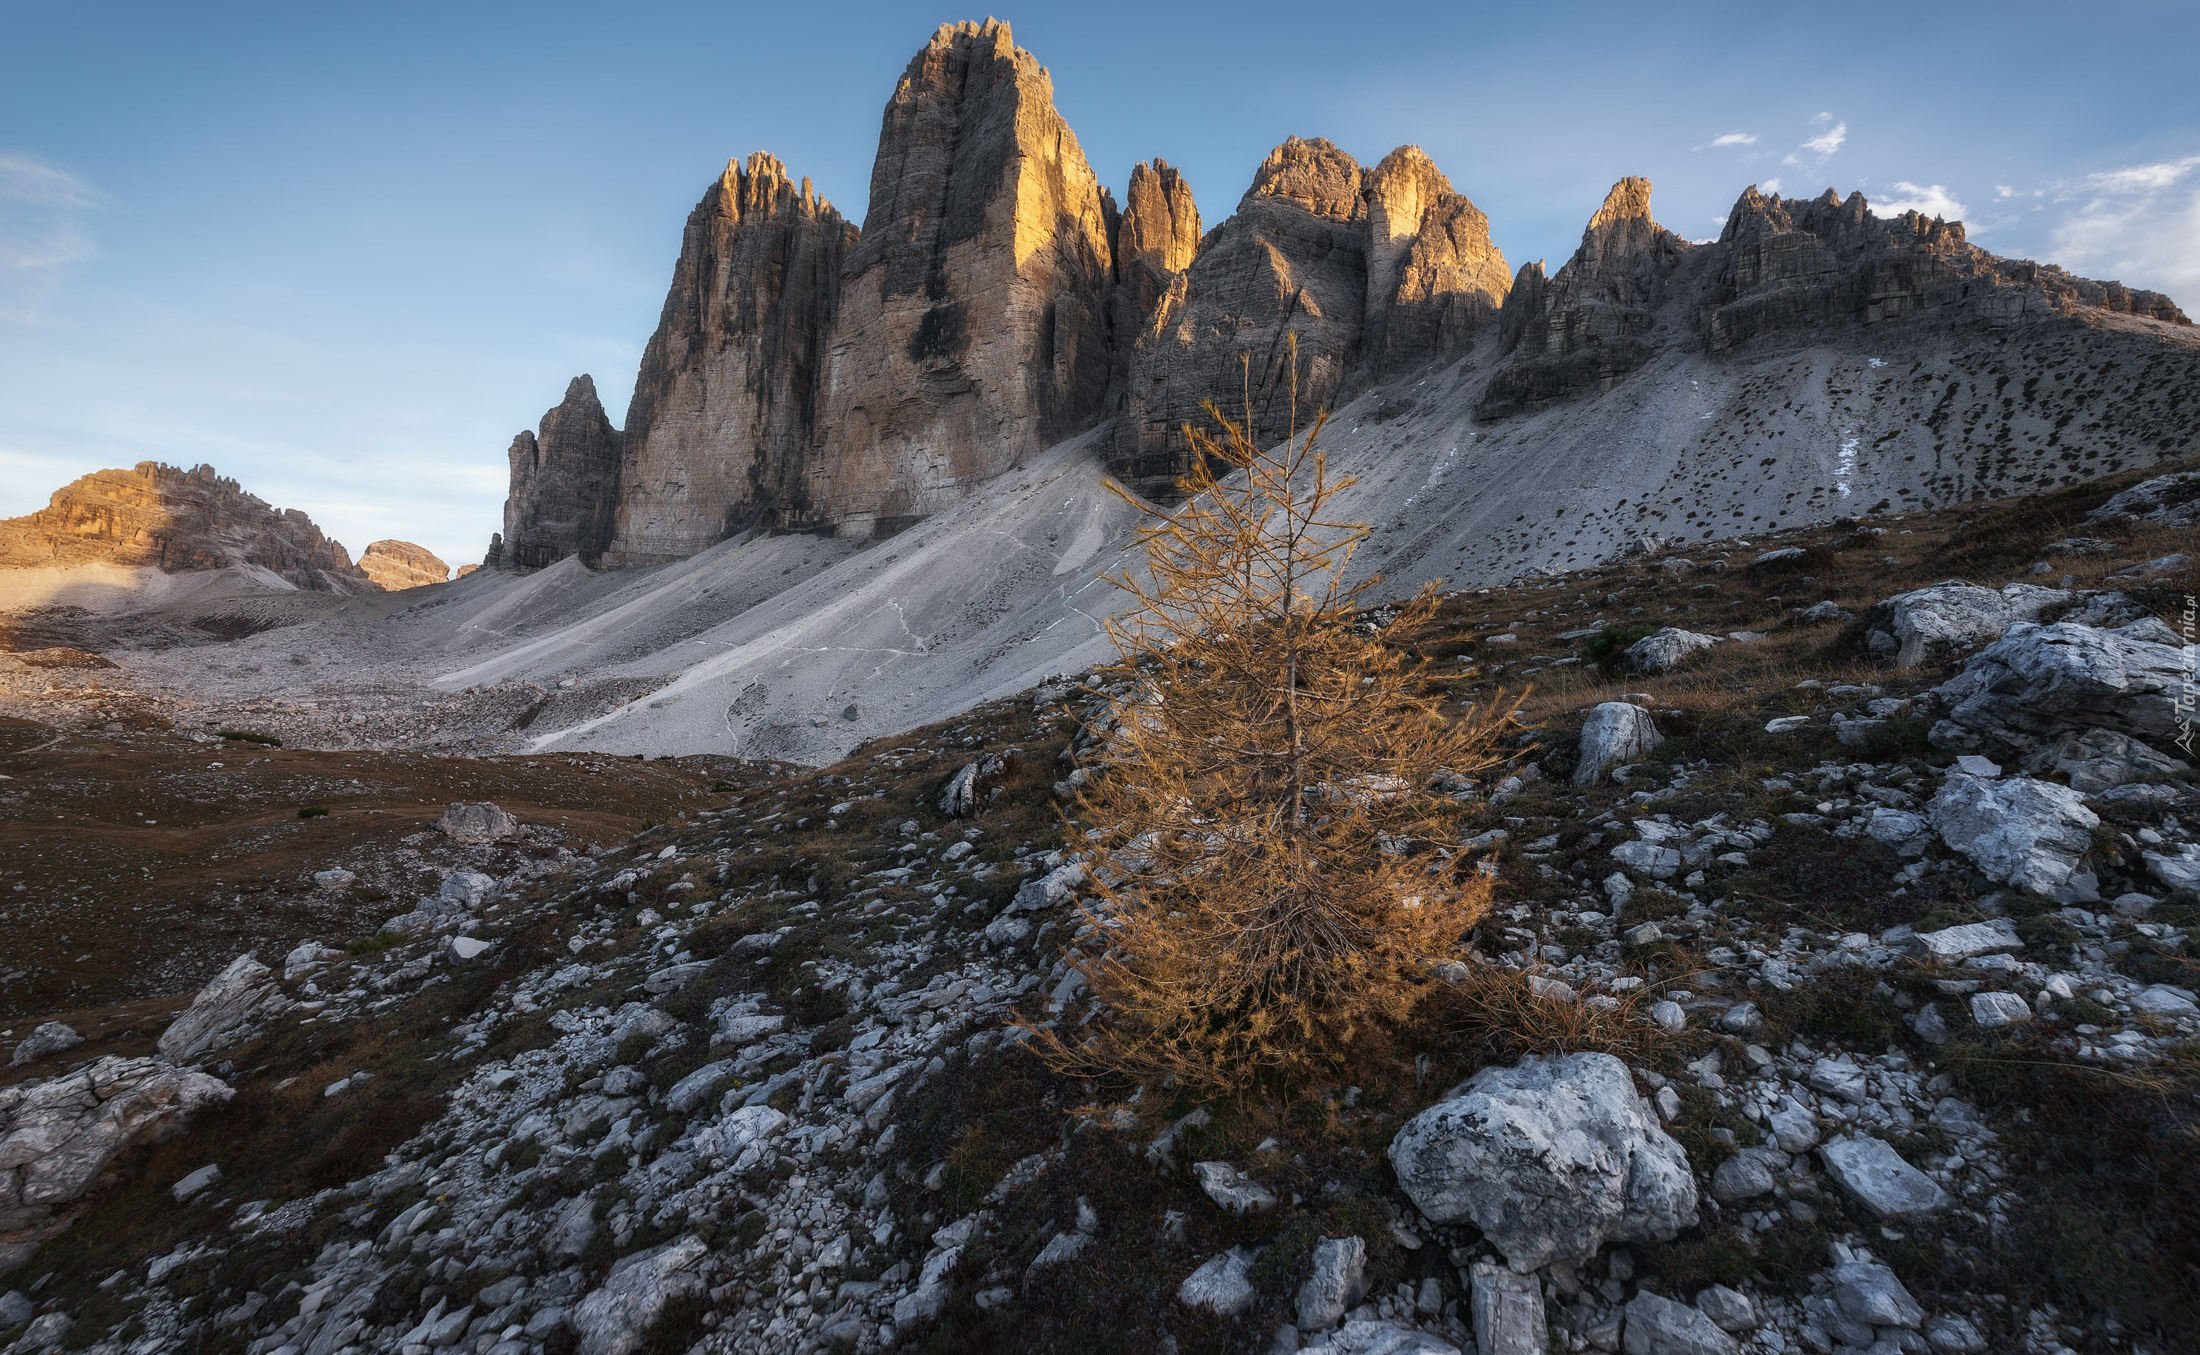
{"type": "Point", "coordinates": [1836, 998]}
{"type": "Point", "coordinates": [137, 859]}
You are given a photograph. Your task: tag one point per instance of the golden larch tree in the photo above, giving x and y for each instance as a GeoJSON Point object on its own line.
{"type": "Point", "coordinates": [1275, 869]}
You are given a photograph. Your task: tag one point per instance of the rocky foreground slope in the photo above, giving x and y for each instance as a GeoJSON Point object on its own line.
{"type": "Point", "coordinates": [1856, 900]}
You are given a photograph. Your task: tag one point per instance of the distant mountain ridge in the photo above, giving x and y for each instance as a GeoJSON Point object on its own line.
{"type": "Point", "coordinates": [176, 520]}
{"type": "Point", "coordinates": [808, 376]}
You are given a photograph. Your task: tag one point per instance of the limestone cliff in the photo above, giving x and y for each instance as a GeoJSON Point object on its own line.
{"type": "Point", "coordinates": [1372, 272]}
{"type": "Point", "coordinates": [1796, 267]}
{"type": "Point", "coordinates": [1291, 262]}
{"type": "Point", "coordinates": [1156, 240]}
{"type": "Point", "coordinates": [176, 520]}
{"type": "Point", "coordinates": [401, 564]}
{"type": "Point", "coordinates": [724, 416]}
{"type": "Point", "coordinates": [1434, 276]}
{"type": "Point", "coordinates": [805, 377]}
{"type": "Point", "coordinates": [971, 328]}
{"type": "Point", "coordinates": [1784, 272]}
{"type": "Point", "coordinates": [565, 484]}
{"type": "Point", "coordinates": [1591, 324]}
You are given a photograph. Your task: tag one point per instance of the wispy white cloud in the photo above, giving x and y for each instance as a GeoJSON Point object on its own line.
{"type": "Point", "coordinates": [1821, 144]}
{"type": "Point", "coordinates": [27, 179]}
{"type": "Point", "coordinates": [1734, 139]}
{"type": "Point", "coordinates": [42, 231]}
{"type": "Point", "coordinates": [1925, 199]}
{"type": "Point", "coordinates": [2136, 223]}
{"type": "Point", "coordinates": [1771, 185]}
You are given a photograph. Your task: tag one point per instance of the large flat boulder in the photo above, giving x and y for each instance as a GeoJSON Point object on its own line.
{"type": "Point", "coordinates": [1659, 1326]}
{"type": "Point", "coordinates": [2038, 683]}
{"type": "Point", "coordinates": [2020, 832]}
{"type": "Point", "coordinates": [1551, 1159]}
{"type": "Point", "coordinates": [1879, 1179]}
{"type": "Point", "coordinates": [1664, 650]}
{"type": "Point", "coordinates": [1950, 617]}
{"type": "Point", "coordinates": [57, 1136]}
{"type": "Point", "coordinates": [616, 1316]}
{"type": "Point", "coordinates": [2044, 682]}
{"type": "Point", "coordinates": [477, 824]}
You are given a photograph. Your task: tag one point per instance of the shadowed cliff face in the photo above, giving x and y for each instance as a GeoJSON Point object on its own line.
{"type": "Point", "coordinates": [1373, 272]}
{"type": "Point", "coordinates": [1434, 277]}
{"type": "Point", "coordinates": [176, 520]}
{"type": "Point", "coordinates": [1784, 272]}
{"type": "Point", "coordinates": [1789, 265]}
{"type": "Point", "coordinates": [972, 328]}
{"type": "Point", "coordinates": [1291, 261]}
{"type": "Point", "coordinates": [1592, 323]}
{"type": "Point", "coordinates": [565, 484]}
{"type": "Point", "coordinates": [724, 415]}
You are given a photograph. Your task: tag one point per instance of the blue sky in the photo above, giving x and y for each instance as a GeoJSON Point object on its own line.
{"type": "Point", "coordinates": [344, 253]}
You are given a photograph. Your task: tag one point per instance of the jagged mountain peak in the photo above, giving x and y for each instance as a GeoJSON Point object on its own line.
{"type": "Point", "coordinates": [1622, 230]}
{"type": "Point", "coordinates": [1160, 219]}
{"type": "Point", "coordinates": [565, 483]}
{"type": "Point", "coordinates": [808, 376]}
{"type": "Point", "coordinates": [1628, 200]}
{"type": "Point", "coordinates": [1311, 173]}
{"type": "Point", "coordinates": [972, 329]}
{"type": "Point", "coordinates": [760, 185]}
{"type": "Point", "coordinates": [173, 519]}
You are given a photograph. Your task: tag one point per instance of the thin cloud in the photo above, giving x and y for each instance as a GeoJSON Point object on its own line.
{"type": "Point", "coordinates": [42, 232]}
{"type": "Point", "coordinates": [2140, 178]}
{"type": "Point", "coordinates": [1925, 199]}
{"type": "Point", "coordinates": [2136, 223]}
{"type": "Point", "coordinates": [1770, 186]}
{"type": "Point", "coordinates": [1734, 139]}
{"type": "Point", "coordinates": [27, 179]}
{"type": "Point", "coordinates": [1820, 145]}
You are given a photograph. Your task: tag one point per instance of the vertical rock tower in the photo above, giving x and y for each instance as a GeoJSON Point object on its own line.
{"type": "Point", "coordinates": [1434, 276]}
{"type": "Point", "coordinates": [972, 324]}
{"type": "Point", "coordinates": [1155, 242]}
{"type": "Point", "coordinates": [565, 484]}
{"type": "Point", "coordinates": [1291, 260]}
{"type": "Point", "coordinates": [724, 415]}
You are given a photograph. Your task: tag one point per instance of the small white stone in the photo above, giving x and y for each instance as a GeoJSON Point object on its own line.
{"type": "Point", "coordinates": [1995, 1010]}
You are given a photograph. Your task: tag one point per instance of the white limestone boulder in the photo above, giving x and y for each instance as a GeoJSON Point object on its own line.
{"type": "Point", "coordinates": [1551, 1159]}
{"type": "Point", "coordinates": [616, 1317]}
{"type": "Point", "coordinates": [1950, 617]}
{"type": "Point", "coordinates": [2020, 832]}
{"type": "Point", "coordinates": [2038, 684]}
{"type": "Point", "coordinates": [231, 1006]}
{"type": "Point", "coordinates": [1664, 650]}
{"type": "Point", "coordinates": [1616, 733]}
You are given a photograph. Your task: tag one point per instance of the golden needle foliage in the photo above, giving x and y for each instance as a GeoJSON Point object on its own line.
{"type": "Point", "coordinates": [1275, 873]}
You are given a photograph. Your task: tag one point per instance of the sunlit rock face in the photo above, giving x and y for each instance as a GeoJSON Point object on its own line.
{"type": "Point", "coordinates": [401, 564]}
{"type": "Point", "coordinates": [1354, 273]}
{"type": "Point", "coordinates": [1592, 323]}
{"type": "Point", "coordinates": [972, 324]}
{"type": "Point", "coordinates": [175, 520]}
